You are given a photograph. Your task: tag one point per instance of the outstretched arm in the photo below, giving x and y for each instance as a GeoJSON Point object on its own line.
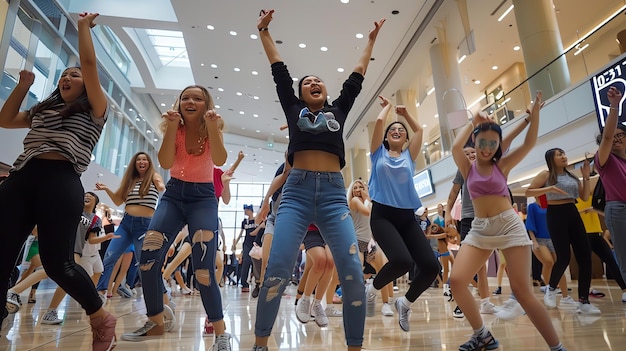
{"type": "Point", "coordinates": [418, 132]}
{"type": "Point", "coordinates": [269, 46]}
{"type": "Point", "coordinates": [89, 65]}
{"type": "Point", "coordinates": [377, 134]}
{"type": "Point", "coordinates": [364, 60]}
{"type": "Point", "coordinates": [615, 96]}
{"type": "Point", "coordinates": [10, 115]}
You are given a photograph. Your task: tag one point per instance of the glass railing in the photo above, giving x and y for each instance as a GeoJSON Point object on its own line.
{"type": "Point", "coordinates": [581, 60]}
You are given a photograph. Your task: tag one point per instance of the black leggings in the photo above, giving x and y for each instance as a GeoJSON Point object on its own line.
{"type": "Point", "coordinates": [49, 194]}
{"type": "Point", "coordinates": [602, 249]}
{"type": "Point", "coordinates": [566, 228]}
{"type": "Point", "coordinates": [402, 240]}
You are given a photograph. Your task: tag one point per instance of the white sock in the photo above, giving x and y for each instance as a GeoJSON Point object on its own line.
{"type": "Point", "coordinates": [485, 300]}
{"type": "Point", "coordinates": [304, 297]}
{"type": "Point", "coordinates": [317, 302]}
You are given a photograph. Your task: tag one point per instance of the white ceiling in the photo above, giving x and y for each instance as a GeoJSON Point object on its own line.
{"type": "Point", "coordinates": [334, 25]}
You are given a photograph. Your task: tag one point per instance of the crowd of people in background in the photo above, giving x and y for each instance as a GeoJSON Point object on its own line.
{"type": "Point", "coordinates": [390, 234]}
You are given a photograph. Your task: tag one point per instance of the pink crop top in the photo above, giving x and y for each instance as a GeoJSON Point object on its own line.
{"type": "Point", "coordinates": [191, 168]}
{"type": "Point", "coordinates": [493, 184]}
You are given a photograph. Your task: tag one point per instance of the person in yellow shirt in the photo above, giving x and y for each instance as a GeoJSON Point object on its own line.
{"type": "Point", "coordinates": [591, 220]}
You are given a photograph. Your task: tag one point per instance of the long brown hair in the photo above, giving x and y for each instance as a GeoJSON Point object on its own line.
{"type": "Point", "coordinates": [132, 175]}
{"type": "Point", "coordinates": [54, 101]}
{"type": "Point", "coordinates": [552, 175]}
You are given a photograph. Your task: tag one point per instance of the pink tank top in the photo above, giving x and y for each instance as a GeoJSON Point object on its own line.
{"type": "Point", "coordinates": [493, 184]}
{"type": "Point", "coordinates": [191, 168]}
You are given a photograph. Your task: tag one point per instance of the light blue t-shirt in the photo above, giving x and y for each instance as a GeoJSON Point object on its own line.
{"type": "Point", "coordinates": [391, 181]}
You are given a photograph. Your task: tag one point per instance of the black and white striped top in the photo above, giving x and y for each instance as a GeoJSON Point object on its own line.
{"type": "Point", "coordinates": [149, 200]}
{"type": "Point", "coordinates": [74, 137]}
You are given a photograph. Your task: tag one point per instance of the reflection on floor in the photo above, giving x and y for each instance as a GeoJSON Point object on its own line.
{"type": "Point", "coordinates": [432, 325]}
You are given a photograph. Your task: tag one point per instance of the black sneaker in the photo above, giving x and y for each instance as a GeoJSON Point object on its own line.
{"type": "Point", "coordinates": [480, 343]}
{"type": "Point", "coordinates": [255, 292]}
{"type": "Point", "coordinates": [457, 313]}
{"type": "Point", "coordinates": [498, 291]}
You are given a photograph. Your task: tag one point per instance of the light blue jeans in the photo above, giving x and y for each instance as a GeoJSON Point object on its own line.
{"type": "Point", "coordinates": [131, 231]}
{"type": "Point", "coordinates": [318, 198]}
{"type": "Point", "coordinates": [615, 219]}
{"type": "Point", "coordinates": [182, 203]}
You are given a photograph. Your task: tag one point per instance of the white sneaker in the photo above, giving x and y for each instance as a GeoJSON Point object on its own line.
{"type": "Point", "coordinates": [587, 308]}
{"type": "Point", "coordinates": [488, 308]}
{"type": "Point", "coordinates": [13, 302]}
{"type": "Point", "coordinates": [331, 311]}
{"type": "Point", "coordinates": [624, 296]}
{"type": "Point", "coordinates": [223, 342]}
{"type": "Point", "coordinates": [549, 299]}
{"type": "Point", "coordinates": [51, 317]}
{"type": "Point", "coordinates": [386, 310]}
{"type": "Point", "coordinates": [543, 289]}
{"type": "Point", "coordinates": [370, 298]}
{"type": "Point", "coordinates": [320, 314]}
{"type": "Point", "coordinates": [303, 310]}
{"type": "Point", "coordinates": [568, 302]}
{"type": "Point", "coordinates": [510, 310]}
{"type": "Point", "coordinates": [169, 319]}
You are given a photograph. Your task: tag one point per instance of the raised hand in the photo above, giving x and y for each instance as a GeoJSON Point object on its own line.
{"type": "Point", "coordinates": [27, 78]}
{"type": "Point", "coordinates": [172, 116]}
{"type": "Point", "coordinates": [537, 104]}
{"type": "Point", "coordinates": [240, 155]}
{"type": "Point", "coordinates": [615, 96]}
{"type": "Point", "coordinates": [265, 17]}
{"type": "Point", "coordinates": [101, 186]}
{"type": "Point", "coordinates": [89, 18]}
{"type": "Point", "coordinates": [480, 117]}
{"type": "Point", "coordinates": [211, 115]}
{"type": "Point", "coordinates": [401, 110]}
{"type": "Point", "coordinates": [374, 32]}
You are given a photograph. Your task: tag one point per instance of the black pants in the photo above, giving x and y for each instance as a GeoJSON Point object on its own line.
{"type": "Point", "coordinates": [566, 228]}
{"type": "Point", "coordinates": [402, 240]}
{"type": "Point", "coordinates": [602, 249]}
{"type": "Point", "coordinates": [49, 194]}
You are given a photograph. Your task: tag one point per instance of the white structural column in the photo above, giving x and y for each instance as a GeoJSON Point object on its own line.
{"type": "Point", "coordinates": [541, 43]}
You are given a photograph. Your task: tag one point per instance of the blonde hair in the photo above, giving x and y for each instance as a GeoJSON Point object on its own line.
{"type": "Point", "coordinates": [210, 105]}
{"type": "Point", "coordinates": [350, 193]}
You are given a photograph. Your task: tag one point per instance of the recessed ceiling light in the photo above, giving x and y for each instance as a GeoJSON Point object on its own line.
{"type": "Point", "coordinates": [424, 125]}
{"type": "Point", "coordinates": [253, 36]}
{"type": "Point", "coordinates": [255, 97]}
{"type": "Point", "coordinates": [294, 79]}
{"type": "Point", "coordinates": [244, 128]}
{"type": "Point", "coordinates": [516, 48]}
{"type": "Point", "coordinates": [241, 112]}
{"type": "Point", "coordinates": [255, 115]}
{"type": "Point", "coordinates": [254, 73]}
{"type": "Point", "coordinates": [232, 32]}
{"type": "Point", "coordinates": [220, 89]}
{"type": "Point", "coordinates": [236, 69]}
{"type": "Point", "coordinates": [155, 139]}
{"type": "Point", "coordinates": [149, 131]}
{"type": "Point", "coordinates": [436, 115]}
{"type": "Point", "coordinates": [417, 104]}
{"type": "Point", "coordinates": [302, 45]}
{"type": "Point", "coordinates": [238, 93]}
{"type": "Point", "coordinates": [258, 131]}
{"type": "Point", "coordinates": [217, 106]}
{"type": "Point", "coordinates": [425, 144]}
{"type": "Point", "coordinates": [339, 69]}
{"type": "Point", "coordinates": [163, 104]}
{"type": "Point", "coordinates": [345, 1]}
{"type": "Point", "coordinates": [213, 65]}
{"type": "Point", "coordinates": [477, 81]}
{"type": "Point", "coordinates": [202, 64]}
{"type": "Point", "coordinates": [494, 67]}
{"type": "Point", "coordinates": [323, 48]}
{"type": "Point", "coordinates": [209, 27]}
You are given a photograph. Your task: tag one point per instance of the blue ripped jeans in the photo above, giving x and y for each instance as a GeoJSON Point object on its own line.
{"type": "Point", "coordinates": [318, 198]}
{"type": "Point", "coordinates": [182, 203]}
{"type": "Point", "coordinates": [615, 219]}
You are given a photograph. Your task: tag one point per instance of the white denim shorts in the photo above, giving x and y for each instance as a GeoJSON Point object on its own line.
{"type": "Point", "coordinates": [91, 264]}
{"type": "Point", "coordinates": [498, 232]}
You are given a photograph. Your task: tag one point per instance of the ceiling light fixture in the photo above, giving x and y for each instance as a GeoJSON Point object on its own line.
{"type": "Point", "coordinates": [209, 27]}
{"type": "Point", "coordinates": [580, 49]}
{"type": "Point", "coordinates": [236, 69]}
{"type": "Point", "coordinates": [359, 35]}
{"type": "Point", "coordinates": [233, 33]}
{"type": "Point", "coordinates": [505, 13]}
{"type": "Point", "coordinates": [258, 131]}
{"type": "Point", "coordinates": [345, 1]}
{"type": "Point", "coordinates": [217, 106]}
{"type": "Point", "coordinates": [241, 112]}
{"type": "Point", "coordinates": [253, 36]}
{"type": "Point", "coordinates": [294, 79]}
{"type": "Point", "coordinates": [476, 81]}
{"type": "Point", "coordinates": [302, 45]}
{"type": "Point", "coordinates": [163, 104]}
{"type": "Point", "coordinates": [255, 115]}
{"type": "Point", "coordinates": [220, 89]}
{"type": "Point", "coordinates": [202, 64]}
{"type": "Point", "coordinates": [461, 59]}
{"type": "Point", "coordinates": [254, 73]}
{"type": "Point", "coordinates": [494, 67]}
{"type": "Point", "coordinates": [213, 65]}
{"type": "Point", "coordinates": [592, 30]}
{"type": "Point", "coordinates": [323, 48]}
{"type": "Point", "coordinates": [436, 115]}
{"type": "Point", "coordinates": [424, 125]}
{"type": "Point", "coordinates": [255, 97]}
{"type": "Point", "coordinates": [516, 48]}
{"type": "Point", "coordinates": [238, 93]}
{"type": "Point", "coordinates": [430, 91]}
{"type": "Point", "coordinates": [339, 69]}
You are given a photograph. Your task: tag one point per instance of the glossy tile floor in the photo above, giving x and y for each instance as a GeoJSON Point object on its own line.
{"type": "Point", "coordinates": [432, 325]}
